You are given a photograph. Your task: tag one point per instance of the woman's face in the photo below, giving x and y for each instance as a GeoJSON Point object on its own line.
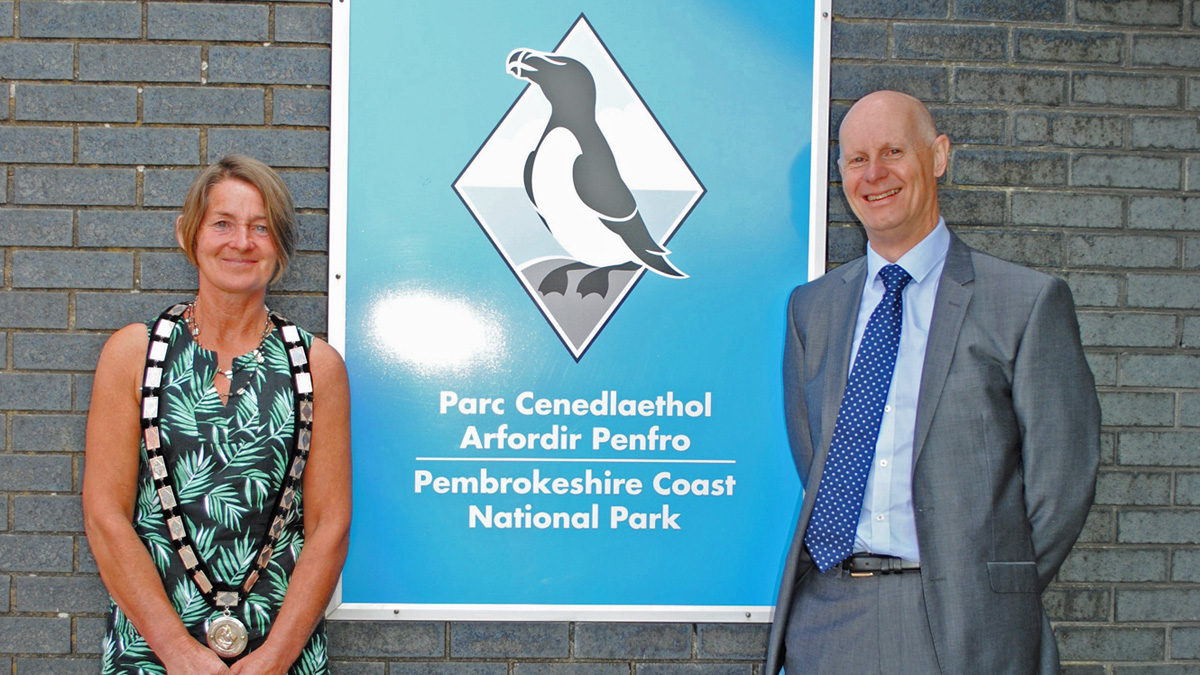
{"type": "Point", "coordinates": [234, 252]}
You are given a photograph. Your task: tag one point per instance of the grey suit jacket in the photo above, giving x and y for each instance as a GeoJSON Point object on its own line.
{"type": "Point", "coordinates": [1005, 454]}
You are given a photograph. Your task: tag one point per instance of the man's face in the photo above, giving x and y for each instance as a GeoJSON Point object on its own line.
{"type": "Point", "coordinates": [890, 170]}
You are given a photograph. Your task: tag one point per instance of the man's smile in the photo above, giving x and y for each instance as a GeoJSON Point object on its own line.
{"type": "Point", "coordinates": [889, 193]}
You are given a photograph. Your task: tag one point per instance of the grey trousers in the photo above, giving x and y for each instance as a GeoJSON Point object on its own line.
{"type": "Point", "coordinates": [859, 626]}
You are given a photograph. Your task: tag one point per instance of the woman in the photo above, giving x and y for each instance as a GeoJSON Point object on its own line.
{"type": "Point", "coordinates": [198, 495]}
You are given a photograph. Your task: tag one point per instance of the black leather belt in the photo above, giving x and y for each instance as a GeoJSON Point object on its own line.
{"type": "Point", "coordinates": [865, 565]}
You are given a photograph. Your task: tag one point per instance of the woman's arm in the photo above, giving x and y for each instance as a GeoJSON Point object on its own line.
{"type": "Point", "coordinates": [326, 503]}
{"type": "Point", "coordinates": [109, 492]}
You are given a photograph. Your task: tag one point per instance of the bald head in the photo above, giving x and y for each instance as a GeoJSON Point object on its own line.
{"type": "Point", "coordinates": [891, 103]}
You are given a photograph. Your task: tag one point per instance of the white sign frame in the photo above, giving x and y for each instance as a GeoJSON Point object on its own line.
{"type": "Point", "coordinates": [336, 331]}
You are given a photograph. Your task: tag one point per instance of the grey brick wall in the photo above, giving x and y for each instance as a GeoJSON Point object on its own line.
{"type": "Point", "coordinates": [1076, 150]}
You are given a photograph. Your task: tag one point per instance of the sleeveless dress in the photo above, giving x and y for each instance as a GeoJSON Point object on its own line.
{"type": "Point", "coordinates": [227, 462]}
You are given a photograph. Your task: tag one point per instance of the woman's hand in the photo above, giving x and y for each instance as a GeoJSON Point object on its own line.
{"type": "Point", "coordinates": [262, 661]}
{"type": "Point", "coordinates": [193, 659]}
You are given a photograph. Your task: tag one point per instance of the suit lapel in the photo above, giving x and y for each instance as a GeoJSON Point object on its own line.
{"type": "Point", "coordinates": [843, 313]}
{"type": "Point", "coordinates": [842, 303]}
{"type": "Point", "coordinates": [949, 308]}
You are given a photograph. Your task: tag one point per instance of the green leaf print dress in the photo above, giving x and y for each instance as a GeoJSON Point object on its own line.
{"type": "Point", "coordinates": [227, 462]}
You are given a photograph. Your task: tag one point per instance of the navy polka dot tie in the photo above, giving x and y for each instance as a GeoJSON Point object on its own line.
{"type": "Point", "coordinates": [830, 534]}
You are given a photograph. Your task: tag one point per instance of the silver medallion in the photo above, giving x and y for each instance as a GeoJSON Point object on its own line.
{"type": "Point", "coordinates": [227, 636]}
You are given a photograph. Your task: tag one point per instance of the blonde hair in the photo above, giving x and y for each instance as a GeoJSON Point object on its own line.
{"type": "Point", "coordinates": [281, 214]}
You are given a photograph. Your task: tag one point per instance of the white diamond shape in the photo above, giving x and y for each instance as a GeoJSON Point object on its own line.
{"type": "Point", "coordinates": [493, 187]}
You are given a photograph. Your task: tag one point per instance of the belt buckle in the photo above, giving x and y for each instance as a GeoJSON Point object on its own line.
{"type": "Point", "coordinates": [860, 573]}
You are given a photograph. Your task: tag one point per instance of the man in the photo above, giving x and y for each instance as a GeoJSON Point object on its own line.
{"type": "Point", "coordinates": [945, 424]}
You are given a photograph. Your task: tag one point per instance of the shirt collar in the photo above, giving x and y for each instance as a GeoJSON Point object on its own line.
{"type": "Point", "coordinates": [920, 260]}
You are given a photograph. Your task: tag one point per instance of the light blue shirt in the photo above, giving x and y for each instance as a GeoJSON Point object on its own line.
{"type": "Point", "coordinates": [887, 525]}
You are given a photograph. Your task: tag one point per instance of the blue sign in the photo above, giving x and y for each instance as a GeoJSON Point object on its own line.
{"type": "Point", "coordinates": [570, 235]}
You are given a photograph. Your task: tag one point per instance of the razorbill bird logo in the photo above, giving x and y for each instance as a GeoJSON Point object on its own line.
{"type": "Point", "coordinates": [578, 186]}
{"type": "Point", "coordinates": [573, 182]}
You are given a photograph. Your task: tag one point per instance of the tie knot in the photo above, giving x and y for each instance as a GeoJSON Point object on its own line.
{"type": "Point", "coordinates": [894, 278]}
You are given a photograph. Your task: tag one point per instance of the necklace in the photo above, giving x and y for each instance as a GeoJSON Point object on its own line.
{"type": "Point", "coordinates": [227, 635]}
{"type": "Point", "coordinates": [193, 324]}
